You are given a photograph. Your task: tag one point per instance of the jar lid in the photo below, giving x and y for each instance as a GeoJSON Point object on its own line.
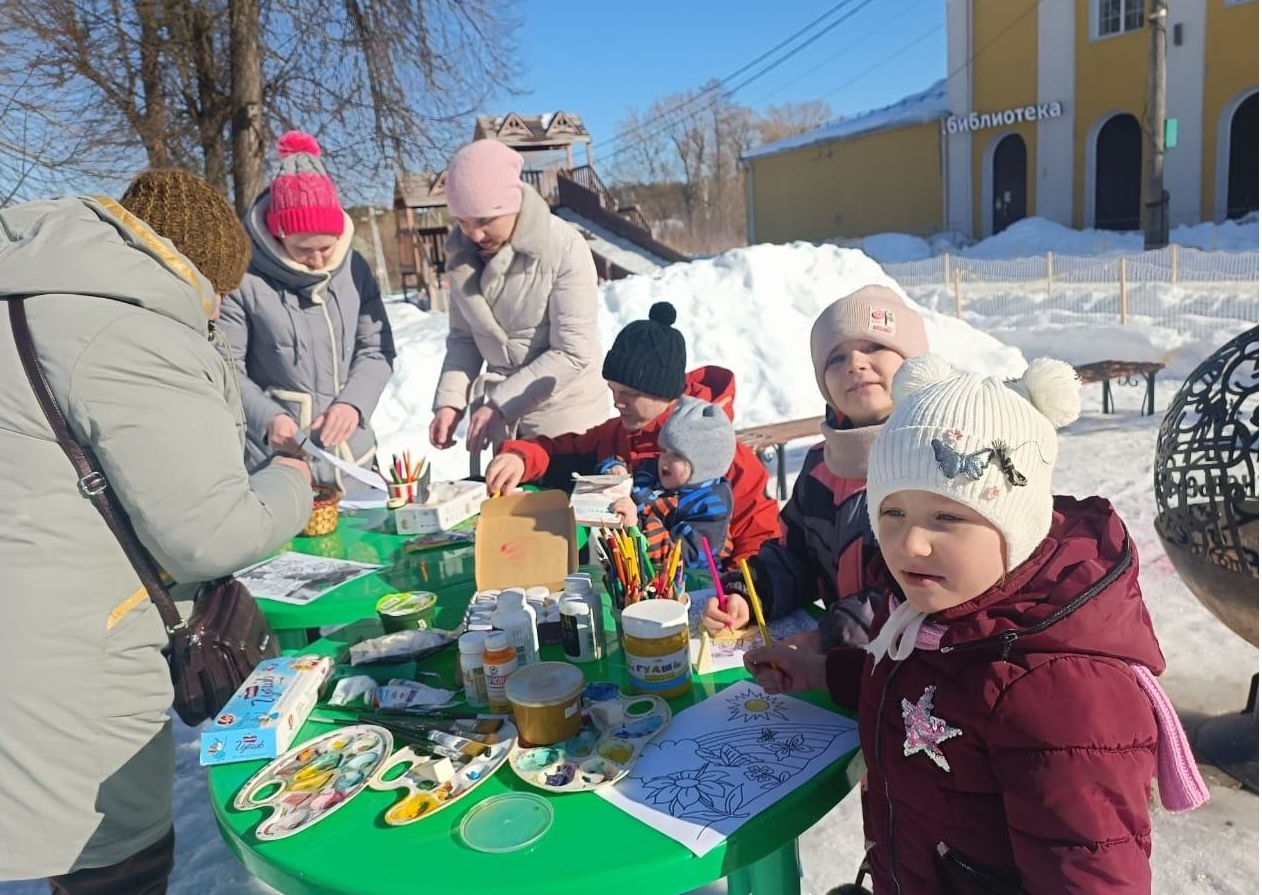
{"type": "Point", "coordinates": [513, 598]}
{"type": "Point", "coordinates": [652, 619]}
{"type": "Point", "coordinates": [406, 602]}
{"type": "Point", "coordinates": [396, 503]}
{"type": "Point", "coordinates": [544, 684]}
{"type": "Point", "coordinates": [472, 642]}
{"type": "Point", "coordinates": [506, 822]}
{"type": "Point", "coordinates": [496, 640]}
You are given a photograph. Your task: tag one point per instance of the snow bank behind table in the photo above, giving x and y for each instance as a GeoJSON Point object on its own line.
{"type": "Point", "coordinates": [749, 310]}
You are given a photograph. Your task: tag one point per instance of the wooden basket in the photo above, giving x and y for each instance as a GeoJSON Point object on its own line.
{"type": "Point", "coordinates": [323, 519]}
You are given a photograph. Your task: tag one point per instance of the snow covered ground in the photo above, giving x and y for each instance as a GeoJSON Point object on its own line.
{"type": "Point", "coordinates": [751, 310]}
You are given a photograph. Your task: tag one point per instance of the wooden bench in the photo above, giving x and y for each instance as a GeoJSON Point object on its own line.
{"type": "Point", "coordinates": [769, 441]}
{"type": "Point", "coordinates": [1126, 373]}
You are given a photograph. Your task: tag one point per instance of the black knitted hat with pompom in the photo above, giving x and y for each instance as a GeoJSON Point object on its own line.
{"type": "Point", "coordinates": [649, 355]}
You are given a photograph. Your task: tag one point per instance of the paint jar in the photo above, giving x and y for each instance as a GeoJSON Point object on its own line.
{"type": "Point", "coordinates": [499, 661]}
{"type": "Point", "coordinates": [545, 700]}
{"type": "Point", "coordinates": [580, 585]}
{"type": "Point", "coordinates": [578, 636]}
{"type": "Point", "coordinates": [655, 644]}
{"type": "Point", "coordinates": [472, 645]}
{"type": "Point", "coordinates": [517, 620]}
{"type": "Point", "coordinates": [405, 611]}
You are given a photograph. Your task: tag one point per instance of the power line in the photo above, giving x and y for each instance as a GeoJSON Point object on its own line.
{"type": "Point", "coordinates": [889, 58]}
{"type": "Point", "coordinates": [740, 71]}
{"type": "Point", "coordinates": [733, 90]}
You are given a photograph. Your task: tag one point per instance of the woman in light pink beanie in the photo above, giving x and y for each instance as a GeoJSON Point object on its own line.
{"type": "Point", "coordinates": [523, 352]}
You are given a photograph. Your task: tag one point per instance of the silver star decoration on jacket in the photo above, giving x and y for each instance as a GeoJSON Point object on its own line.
{"type": "Point", "coordinates": [924, 731]}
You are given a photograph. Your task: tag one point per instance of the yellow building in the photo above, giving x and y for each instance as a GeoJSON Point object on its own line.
{"type": "Point", "coordinates": [1041, 114]}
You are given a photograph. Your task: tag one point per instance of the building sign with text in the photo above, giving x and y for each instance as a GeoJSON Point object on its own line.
{"type": "Point", "coordinates": [979, 121]}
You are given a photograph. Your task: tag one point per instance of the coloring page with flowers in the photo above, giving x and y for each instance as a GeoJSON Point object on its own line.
{"type": "Point", "coordinates": [729, 652]}
{"type": "Point", "coordinates": [724, 760]}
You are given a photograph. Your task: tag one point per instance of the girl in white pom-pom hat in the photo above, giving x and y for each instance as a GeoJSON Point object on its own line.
{"type": "Point", "coordinates": [1008, 709]}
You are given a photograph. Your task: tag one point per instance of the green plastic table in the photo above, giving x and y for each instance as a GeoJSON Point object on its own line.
{"type": "Point", "coordinates": [591, 846]}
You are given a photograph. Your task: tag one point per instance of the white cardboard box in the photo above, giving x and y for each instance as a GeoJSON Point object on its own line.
{"type": "Point", "coordinates": [449, 504]}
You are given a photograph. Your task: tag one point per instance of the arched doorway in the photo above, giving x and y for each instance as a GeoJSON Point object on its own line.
{"type": "Point", "coordinates": [1242, 164]}
{"type": "Point", "coordinates": [1118, 158]}
{"type": "Point", "coordinates": [1008, 177]}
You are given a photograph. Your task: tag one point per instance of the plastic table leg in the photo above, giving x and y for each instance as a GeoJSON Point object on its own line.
{"type": "Point", "coordinates": [776, 874]}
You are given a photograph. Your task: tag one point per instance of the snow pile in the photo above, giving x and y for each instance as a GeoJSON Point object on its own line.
{"type": "Point", "coordinates": [1035, 237]}
{"type": "Point", "coordinates": [749, 310]}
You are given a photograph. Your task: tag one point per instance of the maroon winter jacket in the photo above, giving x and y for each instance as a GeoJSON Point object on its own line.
{"type": "Point", "coordinates": [1048, 780]}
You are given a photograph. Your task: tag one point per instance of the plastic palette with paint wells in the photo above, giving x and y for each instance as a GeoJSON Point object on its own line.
{"type": "Point", "coordinates": [434, 782]}
{"type": "Point", "coordinates": [314, 779]}
{"type": "Point", "coordinates": [615, 730]}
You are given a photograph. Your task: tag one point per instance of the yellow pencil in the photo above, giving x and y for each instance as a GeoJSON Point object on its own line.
{"type": "Point", "coordinates": [755, 604]}
{"type": "Point", "coordinates": [676, 556]}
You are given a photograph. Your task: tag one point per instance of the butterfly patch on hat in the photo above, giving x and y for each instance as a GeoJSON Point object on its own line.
{"type": "Point", "coordinates": [973, 465]}
{"type": "Point", "coordinates": [881, 320]}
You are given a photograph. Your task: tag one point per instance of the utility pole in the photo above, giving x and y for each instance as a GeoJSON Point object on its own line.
{"type": "Point", "coordinates": [1156, 202]}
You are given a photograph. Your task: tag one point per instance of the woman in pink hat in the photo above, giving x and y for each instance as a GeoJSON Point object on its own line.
{"type": "Point", "coordinates": [523, 350]}
{"type": "Point", "coordinates": [307, 327]}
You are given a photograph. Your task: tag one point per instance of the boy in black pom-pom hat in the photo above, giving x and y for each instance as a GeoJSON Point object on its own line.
{"type": "Point", "coordinates": [646, 372]}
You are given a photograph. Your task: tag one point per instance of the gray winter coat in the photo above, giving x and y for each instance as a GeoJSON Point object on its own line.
{"type": "Point", "coordinates": [303, 339]}
{"type": "Point", "coordinates": [528, 314]}
{"type": "Point", "coordinates": [119, 319]}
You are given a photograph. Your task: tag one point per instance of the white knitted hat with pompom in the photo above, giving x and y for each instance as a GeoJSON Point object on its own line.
{"type": "Point", "coordinates": [975, 439]}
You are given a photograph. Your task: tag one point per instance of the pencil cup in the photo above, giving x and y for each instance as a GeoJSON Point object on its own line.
{"type": "Point", "coordinates": [405, 491]}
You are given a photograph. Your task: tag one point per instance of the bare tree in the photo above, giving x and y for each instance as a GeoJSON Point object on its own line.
{"type": "Point", "coordinates": [197, 83]}
{"type": "Point", "coordinates": [791, 119]}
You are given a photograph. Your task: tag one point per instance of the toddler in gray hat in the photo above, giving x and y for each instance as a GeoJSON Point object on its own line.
{"type": "Point", "coordinates": [691, 497]}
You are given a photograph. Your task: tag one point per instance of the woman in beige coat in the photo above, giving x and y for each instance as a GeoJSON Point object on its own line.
{"type": "Point", "coordinates": [523, 349]}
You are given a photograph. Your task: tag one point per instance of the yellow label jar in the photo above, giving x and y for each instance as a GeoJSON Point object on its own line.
{"type": "Point", "coordinates": [655, 646]}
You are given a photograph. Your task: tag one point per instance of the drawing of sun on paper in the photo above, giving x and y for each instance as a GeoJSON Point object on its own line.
{"type": "Point", "coordinates": [724, 760]}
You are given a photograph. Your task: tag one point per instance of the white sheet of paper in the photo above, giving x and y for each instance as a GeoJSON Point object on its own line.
{"type": "Point", "coordinates": [724, 760]}
{"type": "Point", "coordinates": [363, 498]}
{"type": "Point", "coordinates": [725, 654]}
{"type": "Point", "coordinates": [299, 578]}
{"type": "Point", "coordinates": [366, 476]}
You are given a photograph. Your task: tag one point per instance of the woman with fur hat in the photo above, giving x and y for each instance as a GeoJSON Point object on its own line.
{"type": "Point", "coordinates": [858, 343]}
{"type": "Point", "coordinates": [120, 299]}
{"type": "Point", "coordinates": [523, 352]}
{"type": "Point", "coordinates": [307, 326]}
{"type": "Point", "coordinates": [1009, 713]}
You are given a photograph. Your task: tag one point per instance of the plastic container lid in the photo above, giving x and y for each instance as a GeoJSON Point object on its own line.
{"type": "Point", "coordinates": [578, 583]}
{"type": "Point", "coordinates": [544, 684]}
{"type": "Point", "coordinates": [472, 643]}
{"type": "Point", "coordinates": [407, 602]}
{"type": "Point", "coordinates": [538, 592]}
{"type": "Point", "coordinates": [651, 619]}
{"type": "Point", "coordinates": [495, 641]}
{"type": "Point", "coordinates": [575, 606]}
{"type": "Point", "coordinates": [513, 598]}
{"type": "Point", "coordinates": [506, 822]}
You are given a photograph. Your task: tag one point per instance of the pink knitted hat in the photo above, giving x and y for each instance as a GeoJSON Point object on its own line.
{"type": "Point", "coordinates": [303, 198]}
{"type": "Point", "coordinates": [484, 180]}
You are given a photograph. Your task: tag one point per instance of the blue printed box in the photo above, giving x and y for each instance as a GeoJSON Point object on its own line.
{"type": "Point", "coordinates": [263, 716]}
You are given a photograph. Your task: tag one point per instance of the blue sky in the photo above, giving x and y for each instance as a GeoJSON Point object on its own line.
{"type": "Point", "coordinates": [600, 58]}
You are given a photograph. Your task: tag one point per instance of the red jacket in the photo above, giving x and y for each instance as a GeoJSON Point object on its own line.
{"type": "Point", "coordinates": [1049, 773]}
{"type": "Point", "coordinates": [755, 516]}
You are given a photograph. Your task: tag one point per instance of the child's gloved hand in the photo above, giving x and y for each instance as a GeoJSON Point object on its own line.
{"type": "Point", "coordinates": [626, 510]}
{"type": "Point", "coordinates": [736, 617]}
{"type": "Point", "coordinates": [783, 669]}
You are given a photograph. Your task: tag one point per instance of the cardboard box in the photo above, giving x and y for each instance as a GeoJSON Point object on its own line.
{"type": "Point", "coordinates": [263, 716]}
{"type": "Point", "coordinates": [525, 540]}
{"type": "Point", "coordinates": [449, 504]}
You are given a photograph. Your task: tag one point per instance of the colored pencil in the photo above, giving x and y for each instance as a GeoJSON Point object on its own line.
{"type": "Point", "coordinates": [714, 573]}
{"type": "Point", "coordinates": [755, 604]}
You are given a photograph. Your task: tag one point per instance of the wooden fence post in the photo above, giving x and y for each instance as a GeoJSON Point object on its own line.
{"type": "Point", "coordinates": [946, 269]}
{"type": "Point", "coordinates": [1174, 264]}
{"type": "Point", "coordinates": [1049, 276]}
{"type": "Point", "coordinates": [959, 304]}
{"type": "Point", "coordinates": [1121, 271]}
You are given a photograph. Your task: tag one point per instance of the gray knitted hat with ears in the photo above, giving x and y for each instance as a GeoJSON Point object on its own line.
{"type": "Point", "coordinates": [701, 433]}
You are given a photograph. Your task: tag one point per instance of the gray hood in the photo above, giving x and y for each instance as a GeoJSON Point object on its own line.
{"type": "Point", "coordinates": [270, 260]}
{"type": "Point", "coordinates": [92, 246]}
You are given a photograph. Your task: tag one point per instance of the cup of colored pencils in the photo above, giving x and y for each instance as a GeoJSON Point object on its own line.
{"type": "Point", "coordinates": [407, 480]}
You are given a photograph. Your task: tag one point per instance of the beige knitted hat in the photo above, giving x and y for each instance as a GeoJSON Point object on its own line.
{"type": "Point", "coordinates": [988, 444]}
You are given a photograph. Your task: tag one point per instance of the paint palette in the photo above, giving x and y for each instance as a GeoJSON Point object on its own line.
{"type": "Point", "coordinates": [433, 782]}
{"type": "Point", "coordinates": [314, 779]}
{"type": "Point", "coordinates": [615, 730]}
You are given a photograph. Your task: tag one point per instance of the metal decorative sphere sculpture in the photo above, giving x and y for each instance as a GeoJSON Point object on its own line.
{"type": "Point", "coordinates": [1206, 484]}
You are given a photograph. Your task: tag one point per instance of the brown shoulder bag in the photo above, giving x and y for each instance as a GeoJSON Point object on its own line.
{"type": "Point", "coordinates": [226, 635]}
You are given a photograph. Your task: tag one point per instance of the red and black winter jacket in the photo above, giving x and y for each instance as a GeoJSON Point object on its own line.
{"type": "Point", "coordinates": [754, 514]}
{"type": "Point", "coordinates": [1044, 789]}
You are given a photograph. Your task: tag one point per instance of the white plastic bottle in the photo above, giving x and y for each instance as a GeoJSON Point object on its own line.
{"type": "Point", "coordinates": [517, 620]}
{"type": "Point", "coordinates": [580, 585]}
{"type": "Point", "coordinates": [472, 644]}
{"type": "Point", "coordinates": [578, 640]}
